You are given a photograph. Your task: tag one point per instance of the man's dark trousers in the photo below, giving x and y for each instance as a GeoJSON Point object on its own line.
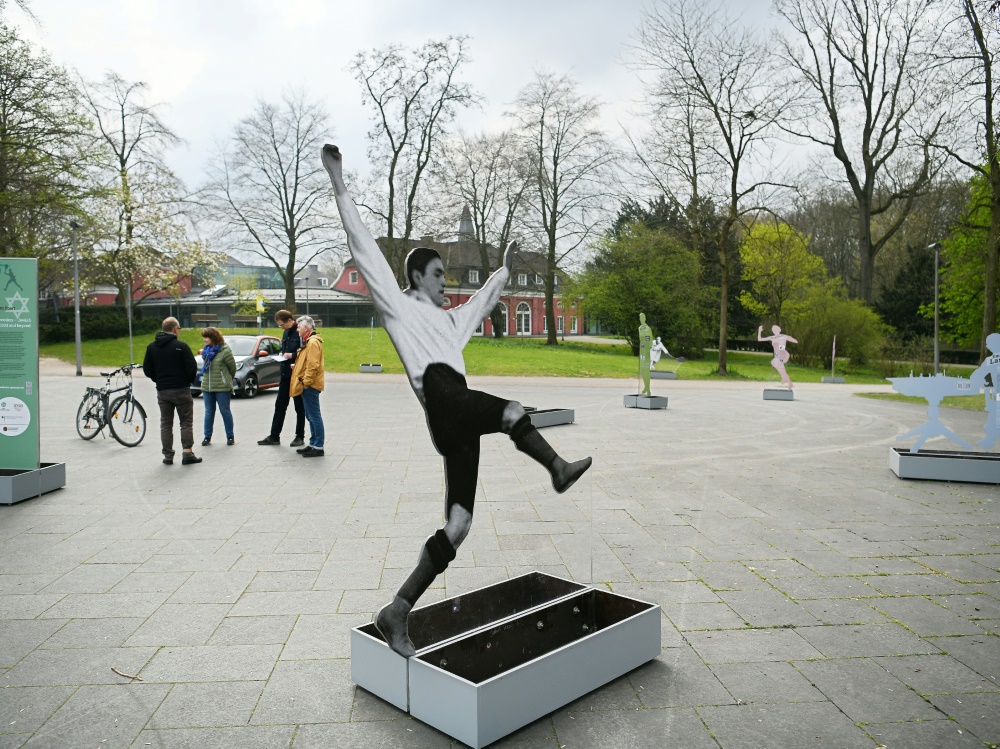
{"type": "Point", "coordinates": [281, 406]}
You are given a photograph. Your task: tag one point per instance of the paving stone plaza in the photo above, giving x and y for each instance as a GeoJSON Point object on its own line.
{"type": "Point", "coordinates": [810, 598]}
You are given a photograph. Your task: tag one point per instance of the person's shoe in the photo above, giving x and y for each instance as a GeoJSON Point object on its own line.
{"type": "Point", "coordinates": [305, 449]}
{"type": "Point", "coordinates": [231, 441]}
{"type": "Point", "coordinates": [391, 624]}
{"type": "Point", "coordinates": [313, 452]}
{"type": "Point", "coordinates": [297, 442]}
{"type": "Point", "coordinates": [565, 475]}
{"type": "Point", "coordinates": [190, 458]}
{"type": "Point", "coordinates": [168, 461]}
{"type": "Point", "coordinates": [269, 440]}
{"type": "Point", "coordinates": [206, 441]}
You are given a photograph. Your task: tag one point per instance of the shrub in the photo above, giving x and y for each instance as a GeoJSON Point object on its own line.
{"type": "Point", "coordinates": [825, 311]}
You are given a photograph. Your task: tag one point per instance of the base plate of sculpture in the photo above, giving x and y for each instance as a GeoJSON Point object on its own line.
{"type": "Point", "coordinates": [550, 417]}
{"type": "Point", "coordinates": [495, 659]}
{"type": "Point", "coordinates": [656, 375]}
{"type": "Point", "coordinates": [778, 394]}
{"type": "Point", "coordinates": [648, 402]}
{"type": "Point", "coordinates": [371, 367]}
{"type": "Point", "coordinates": [945, 465]}
{"type": "Point", "coordinates": [834, 380]}
{"type": "Point", "coordinates": [19, 485]}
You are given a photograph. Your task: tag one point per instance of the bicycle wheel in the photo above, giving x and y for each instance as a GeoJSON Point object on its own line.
{"type": "Point", "coordinates": [90, 415]}
{"type": "Point", "coordinates": [128, 421]}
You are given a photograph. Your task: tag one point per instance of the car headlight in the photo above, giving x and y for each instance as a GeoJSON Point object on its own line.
{"type": "Point", "coordinates": [242, 364]}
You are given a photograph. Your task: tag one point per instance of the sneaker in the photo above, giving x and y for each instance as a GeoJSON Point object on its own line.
{"type": "Point", "coordinates": [231, 441]}
{"type": "Point", "coordinates": [206, 441]}
{"type": "Point", "coordinates": [297, 442]}
{"type": "Point", "coordinates": [313, 452]}
{"type": "Point", "coordinates": [168, 461]}
{"type": "Point", "coordinates": [190, 458]}
{"type": "Point", "coordinates": [269, 440]}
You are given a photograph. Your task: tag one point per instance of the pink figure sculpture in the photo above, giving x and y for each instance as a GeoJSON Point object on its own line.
{"type": "Point", "coordinates": [781, 355]}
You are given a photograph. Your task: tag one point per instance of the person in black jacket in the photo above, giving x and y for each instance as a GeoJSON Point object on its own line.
{"type": "Point", "coordinates": [171, 365]}
{"type": "Point", "coordinates": [290, 345]}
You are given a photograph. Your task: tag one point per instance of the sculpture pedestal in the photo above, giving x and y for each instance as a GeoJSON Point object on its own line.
{"type": "Point", "coordinates": [776, 394]}
{"type": "Point", "coordinates": [17, 486]}
{"type": "Point", "coordinates": [835, 380]}
{"type": "Point", "coordinates": [945, 465]}
{"type": "Point", "coordinates": [371, 367]}
{"type": "Point", "coordinates": [648, 402]}
{"type": "Point", "coordinates": [550, 417]}
{"type": "Point", "coordinates": [495, 659]}
{"type": "Point", "coordinates": [654, 375]}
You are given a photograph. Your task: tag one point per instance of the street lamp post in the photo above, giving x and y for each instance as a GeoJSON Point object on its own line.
{"type": "Point", "coordinates": [937, 346]}
{"type": "Point", "coordinates": [73, 226]}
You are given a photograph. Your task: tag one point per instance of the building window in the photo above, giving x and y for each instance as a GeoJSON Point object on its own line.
{"type": "Point", "coordinates": [523, 319]}
{"type": "Point", "coordinates": [354, 278]}
{"type": "Point", "coordinates": [324, 282]}
{"type": "Point", "coordinates": [447, 302]}
{"type": "Point", "coordinates": [506, 318]}
{"type": "Point", "coordinates": [555, 280]}
{"type": "Point", "coordinates": [473, 276]}
{"type": "Point", "coordinates": [479, 330]}
{"type": "Point", "coordinates": [539, 280]}
{"type": "Point", "coordinates": [572, 325]}
{"type": "Point", "coordinates": [559, 324]}
{"type": "Point", "coordinates": [545, 323]}
{"type": "Point", "coordinates": [522, 279]}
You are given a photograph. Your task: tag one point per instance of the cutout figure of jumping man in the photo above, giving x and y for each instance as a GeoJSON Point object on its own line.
{"type": "Point", "coordinates": [429, 341]}
{"type": "Point", "coordinates": [990, 368]}
{"type": "Point", "coordinates": [781, 355]}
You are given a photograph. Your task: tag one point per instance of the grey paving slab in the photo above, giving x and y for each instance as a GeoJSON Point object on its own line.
{"type": "Point", "coordinates": [924, 734]}
{"type": "Point", "coordinates": [978, 713]}
{"type": "Point", "coordinates": [238, 580]}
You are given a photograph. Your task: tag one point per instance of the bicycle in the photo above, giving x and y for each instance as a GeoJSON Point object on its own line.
{"type": "Point", "coordinates": [125, 416]}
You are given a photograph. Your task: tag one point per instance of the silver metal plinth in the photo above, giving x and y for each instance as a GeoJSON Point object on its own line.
{"type": "Point", "coordinates": [371, 367]}
{"type": "Point", "coordinates": [480, 688]}
{"type": "Point", "coordinates": [649, 402]}
{"type": "Point", "coordinates": [384, 673]}
{"type": "Point", "coordinates": [550, 417]}
{"type": "Point", "coordinates": [662, 375]}
{"type": "Point", "coordinates": [773, 394]}
{"type": "Point", "coordinates": [835, 380]}
{"type": "Point", "coordinates": [946, 465]}
{"type": "Point", "coordinates": [17, 486]}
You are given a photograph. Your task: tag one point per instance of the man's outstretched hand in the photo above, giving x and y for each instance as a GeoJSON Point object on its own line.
{"type": "Point", "coordinates": [508, 256]}
{"type": "Point", "coordinates": [333, 161]}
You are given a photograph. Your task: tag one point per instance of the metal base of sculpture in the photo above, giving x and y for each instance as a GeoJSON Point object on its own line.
{"type": "Point", "coordinates": [503, 656]}
{"type": "Point", "coordinates": [647, 402]}
{"type": "Point", "coordinates": [945, 465]}
{"type": "Point", "coordinates": [17, 485]}
{"type": "Point", "coordinates": [654, 374]}
{"type": "Point", "coordinates": [371, 367]}
{"type": "Point", "coordinates": [778, 394]}
{"type": "Point", "coordinates": [550, 417]}
{"type": "Point", "coordinates": [833, 380]}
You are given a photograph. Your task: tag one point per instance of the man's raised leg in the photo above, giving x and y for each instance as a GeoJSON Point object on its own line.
{"type": "Point", "coordinates": [517, 424]}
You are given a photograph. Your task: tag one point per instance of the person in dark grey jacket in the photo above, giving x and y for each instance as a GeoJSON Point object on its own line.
{"type": "Point", "coordinates": [171, 365]}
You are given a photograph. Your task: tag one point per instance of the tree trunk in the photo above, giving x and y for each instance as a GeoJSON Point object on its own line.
{"type": "Point", "coordinates": [992, 262]}
{"type": "Point", "coordinates": [290, 289]}
{"type": "Point", "coordinates": [865, 257]}
{"type": "Point", "coordinates": [550, 316]}
{"type": "Point", "coordinates": [723, 311]}
{"type": "Point", "coordinates": [498, 321]}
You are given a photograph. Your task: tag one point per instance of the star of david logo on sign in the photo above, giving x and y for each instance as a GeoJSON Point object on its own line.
{"type": "Point", "coordinates": [18, 299]}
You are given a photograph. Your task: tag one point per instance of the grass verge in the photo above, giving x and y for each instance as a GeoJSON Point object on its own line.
{"type": "Point", "coordinates": [965, 402]}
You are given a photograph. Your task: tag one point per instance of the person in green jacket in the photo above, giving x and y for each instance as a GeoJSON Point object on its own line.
{"type": "Point", "coordinates": [217, 382]}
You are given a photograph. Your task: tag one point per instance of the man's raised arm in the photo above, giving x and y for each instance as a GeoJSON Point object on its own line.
{"type": "Point", "coordinates": [480, 304]}
{"type": "Point", "coordinates": [365, 251]}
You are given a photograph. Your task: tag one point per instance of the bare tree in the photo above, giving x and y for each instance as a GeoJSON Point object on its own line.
{"type": "Point", "coordinates": [414, 94]}
{"type": "Point", "coordinates": [488, 175]}
{"type": "Point", "coordinates": [141, 239]}
{"type": "Point", "coordinates": [713, 109]}
{"type": "Point", "coordinates": [868, 92]}
{"type": "Point", "coordinates": [973, 39]}
{"type": "Point", "coordinates": [570, 157]}
{"type": "Point", "coordinates": [267, 191]}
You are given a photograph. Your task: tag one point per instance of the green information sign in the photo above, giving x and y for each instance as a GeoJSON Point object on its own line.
{"type": "Point", "coordinates": [19, 435]}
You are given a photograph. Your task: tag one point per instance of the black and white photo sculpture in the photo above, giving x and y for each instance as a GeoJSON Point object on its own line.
{"type": "Point", "coordinates": [657, 350]}
{"type": "Point", "coordinates": [952, 465]}
{"type": "Point", "coordinates": [429, 340]}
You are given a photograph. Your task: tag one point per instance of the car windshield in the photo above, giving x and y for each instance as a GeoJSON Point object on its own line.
{"type": "Point", "coordinates": [242, 345]}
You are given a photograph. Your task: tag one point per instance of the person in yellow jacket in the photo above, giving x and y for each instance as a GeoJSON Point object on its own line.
{"type": "Point", "coordinates": [307, 381]}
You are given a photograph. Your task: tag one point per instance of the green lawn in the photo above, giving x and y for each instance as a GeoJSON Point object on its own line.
{"type": "Point", "coordinates": [346, 348]}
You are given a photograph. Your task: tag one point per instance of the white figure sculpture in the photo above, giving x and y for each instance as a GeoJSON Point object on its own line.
{"type": "Point", "coordinates": [990, 368]}
{"type": "Point", "coordinates": [781, 356]}
{"type": "Point", "coordinates": [429, 341]}
{"type": "Point", "coordinates": [656, 351]}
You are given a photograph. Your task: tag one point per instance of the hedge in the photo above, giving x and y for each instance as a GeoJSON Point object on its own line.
{"type": "Point", "coordinates": [104, 321]}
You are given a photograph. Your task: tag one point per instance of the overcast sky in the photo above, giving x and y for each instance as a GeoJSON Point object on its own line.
{"type": "Point", "coordinates": [209, 61]}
